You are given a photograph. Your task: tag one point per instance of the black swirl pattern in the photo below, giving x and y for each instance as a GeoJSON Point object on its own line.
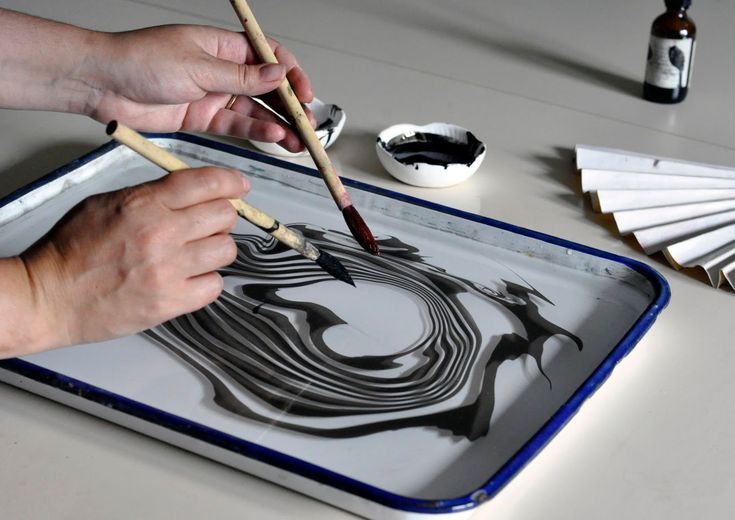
{"type": "Point", "coordinates": [275, 349]}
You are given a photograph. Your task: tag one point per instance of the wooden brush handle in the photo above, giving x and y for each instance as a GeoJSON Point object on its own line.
{"type": "Point", "coordinates": [171, 163]}
{"type": "Point", "coordinates": [293, 106]}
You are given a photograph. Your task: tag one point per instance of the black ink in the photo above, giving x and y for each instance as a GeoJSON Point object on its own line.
{"type": "Point", "coordinates": [329, 123]}
{"type": "Point", "coordinates": [291, 370]}
{"type": "Point", "coordinates": [434, 149]}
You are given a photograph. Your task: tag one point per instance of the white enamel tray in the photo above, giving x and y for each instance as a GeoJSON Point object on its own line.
{"type": "Point", "coordinates": [463, 349]}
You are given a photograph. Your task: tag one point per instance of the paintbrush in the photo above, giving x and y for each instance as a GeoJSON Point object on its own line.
{"type": "Point", "coordinates": [357, 225]}
{"type": "Point", "coordinates": [290, 237]}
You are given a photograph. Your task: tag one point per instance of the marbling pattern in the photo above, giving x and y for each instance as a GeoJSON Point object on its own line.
{"type": "Point", "coordinates": [274, 348]}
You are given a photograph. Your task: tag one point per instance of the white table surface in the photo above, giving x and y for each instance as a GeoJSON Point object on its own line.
{"type": "Point", "coordinates": [531, 79]}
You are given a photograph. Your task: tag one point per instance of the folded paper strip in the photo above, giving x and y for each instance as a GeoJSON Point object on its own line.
{"type": "Point", "coordinates": [684, 209]}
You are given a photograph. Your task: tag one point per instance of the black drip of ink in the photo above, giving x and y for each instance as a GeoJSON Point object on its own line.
{"type": "Point", "coordinates": [436, 149]}
{"type": "Point", "coordinates": [329, 123]}
{"type": "Point", "coordinates": [292, 370]}
{"type": "Point", "coordinates": [324, 125]}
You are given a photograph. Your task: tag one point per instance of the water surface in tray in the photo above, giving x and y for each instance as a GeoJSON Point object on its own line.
{"type": "Point", "coordinates": [461, 341]}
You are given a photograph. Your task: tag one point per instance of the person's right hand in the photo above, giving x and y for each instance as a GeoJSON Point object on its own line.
{"type": "Point", "coordinates": [121, 262]}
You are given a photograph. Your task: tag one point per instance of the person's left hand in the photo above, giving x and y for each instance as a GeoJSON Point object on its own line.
{"type": "Point", "coordinates": [180, 77]}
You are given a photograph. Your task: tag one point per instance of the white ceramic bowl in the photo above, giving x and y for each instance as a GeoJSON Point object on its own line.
{"type": "Point", "coordinates": [430, 168]}
{"type": "Point", "coordinates": [330, 120]}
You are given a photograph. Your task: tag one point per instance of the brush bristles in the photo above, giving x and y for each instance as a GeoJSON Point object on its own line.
{"type": "Point", "coordinates": [360, 230]}
{"type": "Point", "coordinates": [334, 267]}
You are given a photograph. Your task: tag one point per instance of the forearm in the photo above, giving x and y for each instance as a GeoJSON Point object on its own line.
{"type": "Point", "coordinates": [46, 65]}
{"type": "Point", "coordinates": [23, 327]}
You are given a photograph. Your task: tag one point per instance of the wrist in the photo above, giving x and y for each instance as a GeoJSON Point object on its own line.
{"type": "Point", "coordinates": [32, 304]}
{"type": "Point", "coordinates": [47, 65]}
{"type": "Point", "coordinates": [90, 78]}
{"type": "Point", "coordinates": [48, 293]}
{"type": "Point", "coordinates": [24, 329]}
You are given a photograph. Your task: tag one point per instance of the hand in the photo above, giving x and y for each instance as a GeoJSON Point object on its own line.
{"type": "Point", "coordinates": [161, 79]}
{"type": "Point", "coordinates": [121, 262]}
{"type": "Point", "coordinates": [171, 78]}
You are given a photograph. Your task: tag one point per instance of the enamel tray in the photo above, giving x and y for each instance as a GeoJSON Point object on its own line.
{"type": "Point", "coordinates": [463, 349]}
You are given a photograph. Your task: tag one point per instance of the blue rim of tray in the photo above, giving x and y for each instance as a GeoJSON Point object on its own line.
{"type": "Point", "coordinates": [305, 469]}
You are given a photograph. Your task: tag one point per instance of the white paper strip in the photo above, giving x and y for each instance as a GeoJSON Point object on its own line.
{"type": "Point", "coordinates": [655, 238]}
{"type": "Point", "coordinates": [728, 273]}
{"type": "Point", "coordinates": [632, 220]}
{"type": "Point", "coordinates": [608, 201]}
{"type": "Point", "coordinates": [715, 267]}
{"type": "Point", "coordinates": [715, 263]}
{"type": "Point", "coordinates": [609, 159]}
{"type": "Point", "coordinates": [685, 209]}
{"type": "Point", "coordinates": [690, 251]}
{"type": "Point", "coordinates": [593, 180]}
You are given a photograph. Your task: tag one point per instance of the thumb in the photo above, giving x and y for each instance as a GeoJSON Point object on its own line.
{"type": "Point", "coordinates": [237, 78]}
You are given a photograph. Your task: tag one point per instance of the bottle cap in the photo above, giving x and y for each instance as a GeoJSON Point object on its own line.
{"type": "Point", "coordinates": [678, 4]}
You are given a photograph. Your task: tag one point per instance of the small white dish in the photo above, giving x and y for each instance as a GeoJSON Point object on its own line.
{"type": "Point", "coordinates": [330, 120]}
{"type": "Point", "coordinates": [431, 156]}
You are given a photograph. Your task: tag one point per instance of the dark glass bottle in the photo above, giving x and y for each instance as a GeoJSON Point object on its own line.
{"type": "Point", "coordinates": [670, 54]}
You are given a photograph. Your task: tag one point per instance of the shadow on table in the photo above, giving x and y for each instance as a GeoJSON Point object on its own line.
{"type": "Point", "coordinates": [43, 160]}
{"type": "Point", "coordinates": [522, 46]}
{"type": "Point", "coordinates": [355, 149]}
{"type": "Point", "coordinates": [560, 166]}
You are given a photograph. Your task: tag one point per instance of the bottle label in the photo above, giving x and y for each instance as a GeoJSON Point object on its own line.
{"type": "Point", "coordinates": [669, 63]}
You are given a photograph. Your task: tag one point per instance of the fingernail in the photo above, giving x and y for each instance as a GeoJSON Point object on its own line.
{"type": "Point", "coordinates": [271, 72]}
{"type": "Point", "coordinates": [245, 184]}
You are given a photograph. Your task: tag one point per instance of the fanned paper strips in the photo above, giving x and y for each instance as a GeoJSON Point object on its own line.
{"type": "Point", "coordinates": [684, 209]}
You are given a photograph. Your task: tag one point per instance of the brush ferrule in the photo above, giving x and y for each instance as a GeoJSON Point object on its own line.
{"type": "Point", "coordinates": [310, 251]}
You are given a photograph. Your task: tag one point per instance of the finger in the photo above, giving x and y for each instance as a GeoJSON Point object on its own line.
{"type": "Point", "coordinates": [216, 75]}
{"type": "Point", "coordinates": [229, 122]}
{"type": "Point", "coordinates": [273, 100]}
{"type": "Point", "coordinates": [300, 82]}
{"type": "Point", "coordinates": [292, 142]}
{"type": "Point", "coordinates": [301, 85]}
{"type": "Point", "coordinates": [186, 188]}
{"type": "Point", "coordinates": [232, 46]}
{"type": "Point", "coordinates": [207, 254]}
{"type": "Point", "coordinates": [206, 219]}
{"type": "Point", "coordinates": [254, 110]}
{"type": "Point", "coordinates": [201, 291]}
{"type": "Point", "coordinates": [257, 109]}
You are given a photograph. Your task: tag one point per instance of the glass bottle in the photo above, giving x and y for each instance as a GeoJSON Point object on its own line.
{"type": "Point", "coordinates": [670, 54]}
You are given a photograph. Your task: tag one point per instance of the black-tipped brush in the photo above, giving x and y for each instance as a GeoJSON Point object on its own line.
{"type": "Point", "coordinates": [290, 237]}
{"type": "Point", "coordinates": [334, 267]}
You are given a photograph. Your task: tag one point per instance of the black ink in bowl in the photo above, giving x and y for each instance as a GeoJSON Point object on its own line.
{"type": "Point", "coordinates": [433, 155]}
{"type": "Point", "coordinates": [436, 149]}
